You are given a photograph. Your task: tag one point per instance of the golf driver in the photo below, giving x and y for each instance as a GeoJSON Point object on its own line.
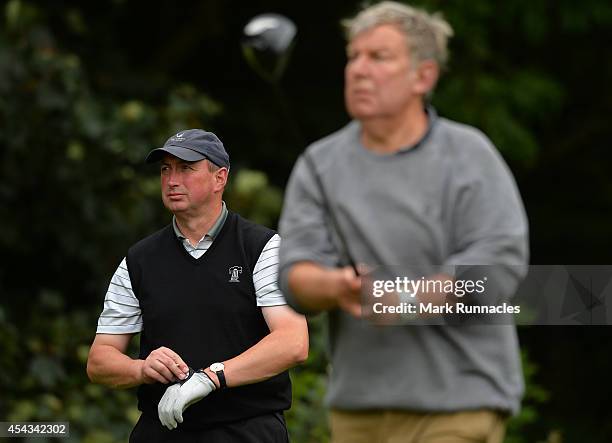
{"type": "Point", "coordinates": [267, 45]}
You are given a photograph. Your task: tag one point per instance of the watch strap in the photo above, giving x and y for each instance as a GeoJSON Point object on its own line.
{"type": "Point", "coordinates": [221, 377]}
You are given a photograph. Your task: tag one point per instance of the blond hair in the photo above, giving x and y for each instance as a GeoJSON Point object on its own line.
{"type": "Point", "coordinates": [426, 34]}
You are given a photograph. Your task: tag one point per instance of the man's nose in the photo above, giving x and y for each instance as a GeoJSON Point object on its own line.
{"type": "Point", "coordinates": [173, 178]}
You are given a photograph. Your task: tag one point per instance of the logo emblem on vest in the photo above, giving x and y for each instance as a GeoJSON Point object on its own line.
{"type": "Point", "coordinates": [234, 273]}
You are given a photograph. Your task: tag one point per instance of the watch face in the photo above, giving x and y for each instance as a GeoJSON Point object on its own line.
{"type": "Point", "coordinates": [216, 367]}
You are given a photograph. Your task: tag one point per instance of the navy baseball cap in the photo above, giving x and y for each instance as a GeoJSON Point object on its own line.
{"type": "Point", "coordinates": [192, 145]}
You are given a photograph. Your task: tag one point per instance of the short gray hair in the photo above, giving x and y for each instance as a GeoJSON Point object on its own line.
{"type": "Point", "coordinates": [426, 34]}
{"type": "Point", "coordinates": [212, 167]}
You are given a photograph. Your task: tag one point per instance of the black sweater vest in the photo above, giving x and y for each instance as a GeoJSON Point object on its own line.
{"type": "Point", "coordinates": [205, 310]}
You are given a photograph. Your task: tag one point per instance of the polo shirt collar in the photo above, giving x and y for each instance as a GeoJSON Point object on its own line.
{"type": "Point", "coordinates": [214, 230]}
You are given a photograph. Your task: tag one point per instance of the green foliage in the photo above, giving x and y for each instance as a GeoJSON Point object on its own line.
{"type": "Point", "coordinates": [250, 194]}
{"type": "Point", "coordinates": [307, 418]}
{"type": "Point", "coordinates": [76, 124]}
{"type": "Point", "coordinates": [503, 112]}
{"type": "Point", "coordinates": [535, 397]}
{"type": "Point", "coordinates": [48, 358]}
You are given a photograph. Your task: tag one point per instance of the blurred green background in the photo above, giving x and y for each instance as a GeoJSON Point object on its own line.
{"type": "Point", "coordinates": [88, 88]}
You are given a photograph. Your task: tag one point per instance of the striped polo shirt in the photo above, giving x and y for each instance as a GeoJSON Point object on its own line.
{"type": "Point", "coordinates": [121, 313]}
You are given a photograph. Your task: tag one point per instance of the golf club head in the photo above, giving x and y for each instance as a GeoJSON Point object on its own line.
{"type": "Point", "coordinates": [267, 44]}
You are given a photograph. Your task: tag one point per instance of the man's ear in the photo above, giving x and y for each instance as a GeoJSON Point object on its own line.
{"type": "Point", "coordinates": [221, 176]}
{"type": "Point", "coordinates": [427, 74]}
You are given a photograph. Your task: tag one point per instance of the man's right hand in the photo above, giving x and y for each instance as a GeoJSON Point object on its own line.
{"type": "Point", "coordinates": [348, 291]}
{"type": "Point", "coordinates": [163, 365]}
{"type": "Point", "coordinates": [317, 288]}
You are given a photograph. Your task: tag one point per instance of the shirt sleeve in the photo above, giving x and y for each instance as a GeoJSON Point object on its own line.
{"type": "Point", "coordinates": [304, 223]}
{"type": "Point", "coordinates": [489, 225]}
{"type": "Point", "coordinates": [121, 313]}
{"type": "Point", "coordinates": [265, 275]}
{"type": "Point", "coordinates": [305, 229]}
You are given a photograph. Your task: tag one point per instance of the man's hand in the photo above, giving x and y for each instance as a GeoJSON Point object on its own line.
{"type": "Point", "coordinates": [179, 397]}
{"type": "Point", "coordinates": [349, 291]}
{"type": "Point", "coordinates": [319, 288]}
{"type": "Point", "coordinates": [163, 365]}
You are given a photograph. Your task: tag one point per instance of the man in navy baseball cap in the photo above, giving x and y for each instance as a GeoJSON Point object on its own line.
{"type": "Point", "coordinates": [203, 293]}
{"type": "Point", "coordinates": [193, 145]}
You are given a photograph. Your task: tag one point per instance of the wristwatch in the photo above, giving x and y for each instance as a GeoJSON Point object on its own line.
{"type": "Point", "coordinates": [218, 368]}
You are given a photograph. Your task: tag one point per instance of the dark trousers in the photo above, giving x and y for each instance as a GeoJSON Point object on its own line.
{"type": "Point", "coordinates": [269, 428]}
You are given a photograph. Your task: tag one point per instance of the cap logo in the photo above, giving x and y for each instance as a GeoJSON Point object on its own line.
{"type": "Point", "coordinates": [179, 136]}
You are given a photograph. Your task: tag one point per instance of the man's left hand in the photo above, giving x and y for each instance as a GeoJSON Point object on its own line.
{"type": "Point", "coordinates": [179, 397]}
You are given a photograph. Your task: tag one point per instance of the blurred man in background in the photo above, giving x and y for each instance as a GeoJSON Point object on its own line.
{"type": "Point", "coordinates": [216, 335]}
{"type": "Point", "coordinates": [406, 187]}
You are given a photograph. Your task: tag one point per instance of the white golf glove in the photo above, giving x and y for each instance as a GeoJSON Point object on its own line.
{"type": "Point", "coordinates": [179, 397]}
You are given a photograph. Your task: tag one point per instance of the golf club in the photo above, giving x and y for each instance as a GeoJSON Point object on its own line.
{"type": "Point", "coordinates": [326, 202]}
{"type": "Point", "coordinates": [267, 46]}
